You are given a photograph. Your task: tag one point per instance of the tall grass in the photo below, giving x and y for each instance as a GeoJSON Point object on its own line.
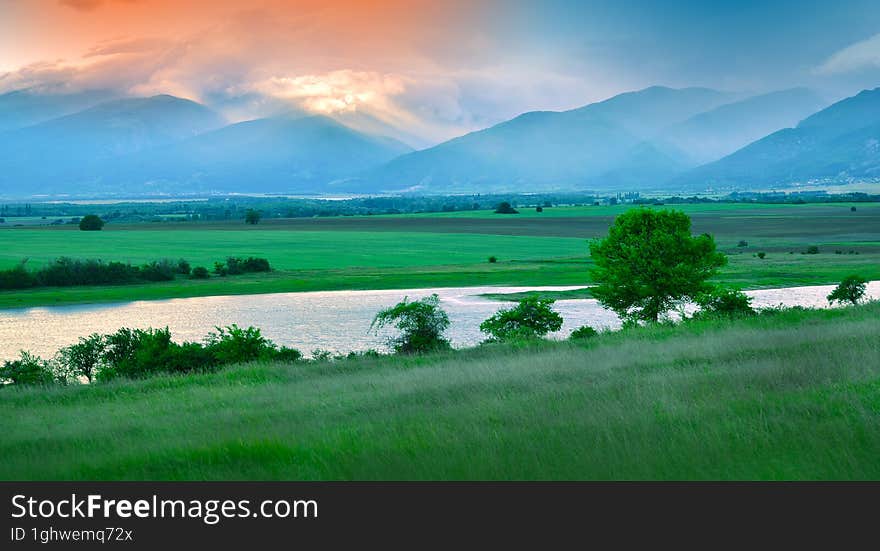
{"type": "Point", "coordinates": [790, 396]}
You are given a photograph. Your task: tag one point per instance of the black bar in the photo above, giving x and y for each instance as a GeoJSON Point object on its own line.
{"type": "Point", "coordinates": [452, 513]}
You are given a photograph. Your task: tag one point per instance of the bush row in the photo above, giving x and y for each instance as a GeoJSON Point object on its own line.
{"type": "Point", "coordinates": [140, 353]}
{"type": "Point", "coordinates": [66, 272]}
{"type": "Point", "coordinates": [236, 266]}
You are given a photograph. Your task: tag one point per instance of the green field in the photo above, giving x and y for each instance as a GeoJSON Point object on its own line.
{"type": "Point", "coordinates": [447, 249]}
{"type": "Point", "coordinates": [790, 396]}
{"type": "Point", "coordinates": [286, 250]}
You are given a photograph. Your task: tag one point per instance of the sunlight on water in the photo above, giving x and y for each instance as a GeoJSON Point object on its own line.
{"type": "Point", "coordinates": [338, 321]}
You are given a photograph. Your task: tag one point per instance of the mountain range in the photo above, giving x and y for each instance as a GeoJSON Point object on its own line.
{"type": "Point", "coordinates": [92, 143]}
{"type": "Point", "coordinates": [278, 154]}
{"type": "Point", "coordinates": [837, 145]}
{"type": "Point", "coordinates": [21, 108]}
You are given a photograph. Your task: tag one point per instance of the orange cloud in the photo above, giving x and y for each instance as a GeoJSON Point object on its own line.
{"type": "Point", "coordinates": [87, 5]}
{"type": "Point", "coordinates": [124, 46]}
{"type": "Point", "coordinates": [341, 90]}
{"type": "Point", "coordinates": [431, 66]}
{"type": "Point", "coordinates": [84, 5]}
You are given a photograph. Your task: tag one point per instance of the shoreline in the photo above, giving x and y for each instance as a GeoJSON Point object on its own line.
{"type": "Point", "coordinates": [337, 320]}
{"type": "Point", "coordinates": [558, 284]}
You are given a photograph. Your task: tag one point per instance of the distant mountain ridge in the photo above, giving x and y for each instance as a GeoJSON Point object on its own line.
{"type": "Point", "coordinates": [636, 140]}
{"type": "Point", "coordinates": [656, 138]}
{"type": "Point", "coordinates": [277, 154]}
{"type": "Point", "coordinates": [75, 151]}
{"type": "Point", "coordinates": [837, 144]}
{"type": "Point", "coordinates": [21, 108]}
{"type": "Point", "coordinates": [549, 149]}
{"type": "Point", "coordinates": [169, 144]}
{"type": "Point", "coordinates": [711, 135]}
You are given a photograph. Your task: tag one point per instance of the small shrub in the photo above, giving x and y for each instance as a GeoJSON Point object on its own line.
{"type": "Point", "coordinates": [188, 357]}
{"type": "Point", "coordinates": [252, 216]}
{"type": "Point", "coordinates": [235, 345]}
{"type": "Point", "coordinates": [200, 272]}
{"type": "Point", "coordinates": [761, 255]}
{"type": "Point", "coordinates": [234, 266]}
{"type": "Point", "coordinates": [492, 260]}
{"type": "Point", "coordinates": [505, 208]}
{"type": "Point", "coordinates": [742, 243]}
{"type": "Point", "coordinates": [148, 354]}
{"type": "Point", "coordinates": [368, 353]}
{"type": "Point", "coordinates": [83, 359]}
{"type": "Point", "coordinates": [119, 348]}
{"type": "Point", "coordinates": [28, 370]}
{"type": "Point", "coordinates": [851, 289]}
{"type": "Point", "coordinates": [852, 209]}
{"type": "Point", "coordinates": [726, 303]}
{"type": "Point", "coordinates": [421, 324]}
{"type": "Point", "coordinates": [253, 264]}
{"type": "Point", "coordinates": [158, 270]}
{"type": "Point", "coordinates": [91, 222]}
{"type": "Point", "coordinates": [17, 278]}
{"type": "Point", "coordinates": [288, 355]}
{"type": "Point", "coordinates": [533, 317]}
{"type": "Point", "coordinates": [583, 332]}
{"type": "Point", "coordinates": [539, 209]}
{"type": "Point", "coordinates": [321, 355]}
{"type": "Point", "coordinates": [183, 267]}
{"type": "Point", "coordinates": [812, 249]}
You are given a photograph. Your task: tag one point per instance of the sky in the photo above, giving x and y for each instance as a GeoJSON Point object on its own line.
{"type": "Point", "coordinates": [436, 68]}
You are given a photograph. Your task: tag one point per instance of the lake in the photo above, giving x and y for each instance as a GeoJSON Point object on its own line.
{"type": "Point", "coordinates": [337, 321]}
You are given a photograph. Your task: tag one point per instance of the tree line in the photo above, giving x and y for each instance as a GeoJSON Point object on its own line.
{"type": "Point", "coordinates": [67, 272]}
{"type": "Point", "coordinates": [237, 207]}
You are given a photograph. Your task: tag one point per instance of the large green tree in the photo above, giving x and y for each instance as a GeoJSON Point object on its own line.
{"type": "Point", "coordinates": [650, 263]}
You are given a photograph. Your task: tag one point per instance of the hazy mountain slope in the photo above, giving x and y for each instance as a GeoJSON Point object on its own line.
{"type": "Point", "coordinates": [549, 149]}
{"type": "Point", "coordinates": [646, 112]}
{"type": "Point", "coordinates": [21, 108]}
{"type": "Point", "coordinates": [367, 123]}
{"type": "Point", "coordinates": [278, 154]}
{"type": "Point", "coordinates": [645, 167]}
{"type": "Point", "coordinates": [711, 135]}
{"type": "Point", "coordinates": [846, 115]}
{"type": "Point", "coordinates": [67, 153]}
{"type": "Point", "coordinates": [838, 143]}
{"type": "Point", "coordinates": [852, 155]}
{"type": "Point", "coordinates": [538, 148]}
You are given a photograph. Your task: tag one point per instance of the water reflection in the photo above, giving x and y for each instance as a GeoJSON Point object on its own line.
{"type": "Point", "coordinates": [332, 320]}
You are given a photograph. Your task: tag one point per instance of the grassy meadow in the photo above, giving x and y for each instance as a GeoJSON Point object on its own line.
{"type": "Point", "coordinates": [447, 249]}
{"type": "Point", "coordinates": [795, 395]}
